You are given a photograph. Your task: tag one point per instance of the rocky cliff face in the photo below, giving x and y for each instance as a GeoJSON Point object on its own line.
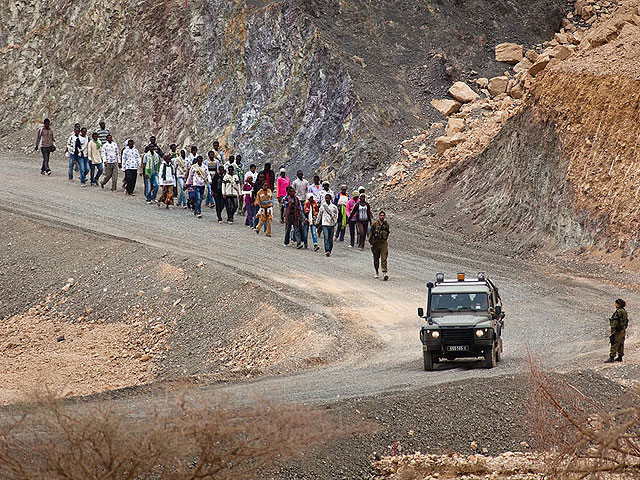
{"type": "Point", "coordinates": [328, 85]}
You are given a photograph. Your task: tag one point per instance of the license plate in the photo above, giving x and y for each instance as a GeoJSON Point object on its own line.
{"type": "Point", "coordinates": [458, 348]}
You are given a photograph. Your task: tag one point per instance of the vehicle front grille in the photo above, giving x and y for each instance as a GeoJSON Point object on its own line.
{"type": "Point", "coordinates": [456, 336]}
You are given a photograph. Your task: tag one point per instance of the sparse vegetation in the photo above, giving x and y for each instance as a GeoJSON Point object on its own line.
{"type": "Point", "coordinates": [198, 439]}
{"type": "Point", "coordinates": [586, 441]}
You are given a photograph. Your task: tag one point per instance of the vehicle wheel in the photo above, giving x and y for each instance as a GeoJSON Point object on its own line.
{"type": "Point", "coordinates": [490, 357]}
{"type": "Point", "coordinates": [428, 361]}
{"type": "Point", "coordinates": [499, 351]}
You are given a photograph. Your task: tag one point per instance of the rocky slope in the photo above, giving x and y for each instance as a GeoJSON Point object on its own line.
{"type": "Point", "coordinates": [330, 85]}
{"type": "Point", "coordinates": [548, 151]}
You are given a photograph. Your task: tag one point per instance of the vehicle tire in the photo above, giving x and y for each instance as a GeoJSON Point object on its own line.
{"type": "Point", "coordinates": [490, 357]}
{"type": "Point", "coordinates": [499, 351]}
{"type": "Point", "coordinates": [428, 361]}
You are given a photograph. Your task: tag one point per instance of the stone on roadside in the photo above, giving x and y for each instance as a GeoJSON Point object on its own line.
{"type": "Point", "coordinates": [539, 65]}
{"type": "Point", "coordinates": [442, 144]}
{"type": "Point", "coordinates": [463, 92]}
{"type": "Point", "coordinates": [446, 107]}
{"type": "Point", "coordinates": [509, 52]}
{"type": "Point", "coordinates": [455, 125]}
{"type": "Point", "coordinates": [498, 85]}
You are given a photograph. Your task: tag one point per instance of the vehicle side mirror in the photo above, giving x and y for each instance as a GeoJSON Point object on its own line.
{"type": "Point", "coordinates": [498, 309]}
{"type": "Point", "coordinates": [421, 312]}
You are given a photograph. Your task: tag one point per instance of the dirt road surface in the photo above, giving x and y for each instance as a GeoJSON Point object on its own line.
{"type": "Point", "coordinates": [560, 317]}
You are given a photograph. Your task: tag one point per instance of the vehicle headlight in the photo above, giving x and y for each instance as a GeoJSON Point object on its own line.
{"type": "Point", "coordinates": [480, 333]}
{"type": "Point", "coordinates": [435, 334]}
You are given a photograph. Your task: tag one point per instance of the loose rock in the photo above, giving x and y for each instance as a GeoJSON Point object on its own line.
{"type": "Point", "coordinates": [446, 107]}
{"type": "Point", "coordinates": [509, 52]}
{"type": "Point", "coordinates": [463, 92]}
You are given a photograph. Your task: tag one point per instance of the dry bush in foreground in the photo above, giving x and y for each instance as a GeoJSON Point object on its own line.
{"type": "Point", "coordinates": [586, 441]}
{"type": "Point", "coordinates": [198, 440]}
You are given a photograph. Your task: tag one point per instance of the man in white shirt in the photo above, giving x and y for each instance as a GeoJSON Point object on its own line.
{"type": "Point", "coordinates": [191, 158]}
{"type": "Point", "coordinates": [199, 178]}
{"type": "Point", "coordinates": [231, 192]}
{"type": "Point", "coordinates": [110, 158]}
{"type": "Point", "coordinates": [301, 186]}
{"type": "Point", "coordinates": [130, 163]}
{"type": "Point", "coordinates": [328, 217]}
{"type": "Point", "coordinates": [316, 188]}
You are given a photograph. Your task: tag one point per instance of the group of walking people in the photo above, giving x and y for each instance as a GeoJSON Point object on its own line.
{"type": "Point", "coordinates": [184, 179]}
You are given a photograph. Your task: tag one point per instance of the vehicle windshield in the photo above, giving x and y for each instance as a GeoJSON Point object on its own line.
{"type": "Point", "coordinates": [456, 302]}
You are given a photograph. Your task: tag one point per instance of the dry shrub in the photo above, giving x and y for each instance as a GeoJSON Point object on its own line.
{"type": "Point", "coordinates": [587, 442]}
{"type": "Point", "coordinates": [197, 439]}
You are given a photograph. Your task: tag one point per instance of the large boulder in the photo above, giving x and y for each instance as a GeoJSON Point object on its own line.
{"type": "Point", "coordinates": [498, 85]}
{"type": "Point", "coordinates": [444, 143]}
{"type": "Point", "coordinates": [509, 53]}
{"type": "Point", "coordinates": [446, 107]}
{"type": "Point", "coordinates": [463, 92]}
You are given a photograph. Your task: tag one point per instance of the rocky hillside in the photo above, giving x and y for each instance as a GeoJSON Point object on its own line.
{"type": "Point", "coordinates": [333, 85]}
{"type": "Point", "coordinates": [547, 153]}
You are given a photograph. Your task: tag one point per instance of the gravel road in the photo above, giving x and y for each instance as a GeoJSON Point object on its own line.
{"type": "Point", "coordinates": [562, 318]}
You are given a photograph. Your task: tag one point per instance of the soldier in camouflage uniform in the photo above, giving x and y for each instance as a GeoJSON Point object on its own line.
{"type": "Point", "coordinates": [378, 236]}
{"type": "Point", "coordinates": [618, 322]}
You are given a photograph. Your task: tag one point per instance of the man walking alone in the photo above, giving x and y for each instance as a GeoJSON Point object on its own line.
{"type": "Point", "coordinates": [378, 237]}
{"type": "Point", "coordinates": [45, 142]}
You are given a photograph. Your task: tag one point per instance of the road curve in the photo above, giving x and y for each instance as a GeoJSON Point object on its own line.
{"type": "Point", "coordinates": [560, 317]}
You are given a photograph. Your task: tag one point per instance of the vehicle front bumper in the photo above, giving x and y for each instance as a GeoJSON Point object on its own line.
{"type": "Point", "coordinates": [456, 341]}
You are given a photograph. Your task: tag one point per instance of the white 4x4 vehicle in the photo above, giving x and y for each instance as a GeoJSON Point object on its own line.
{"type": "Point", "coordinates": [464, 319]}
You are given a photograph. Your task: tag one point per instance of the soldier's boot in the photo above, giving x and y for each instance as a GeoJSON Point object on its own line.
{"type": "Point", "coordinates": [619, 359]}
{"type": "Point", "coordinates": [610, 360]}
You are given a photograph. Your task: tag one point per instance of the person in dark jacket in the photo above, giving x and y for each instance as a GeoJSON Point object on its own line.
{"type": "Point", "coordinates": [292, 217]}
{"type": "Point", "coordinates": [378, 236]}
{"type": "Point", "coordinates": [269, 176]}
{"type": "Point", "coordinates": [361, 212]}
{"type": "Point", "coordinates": [618, 322]}
{"type": "Point", "coordinates": [216, 191]}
